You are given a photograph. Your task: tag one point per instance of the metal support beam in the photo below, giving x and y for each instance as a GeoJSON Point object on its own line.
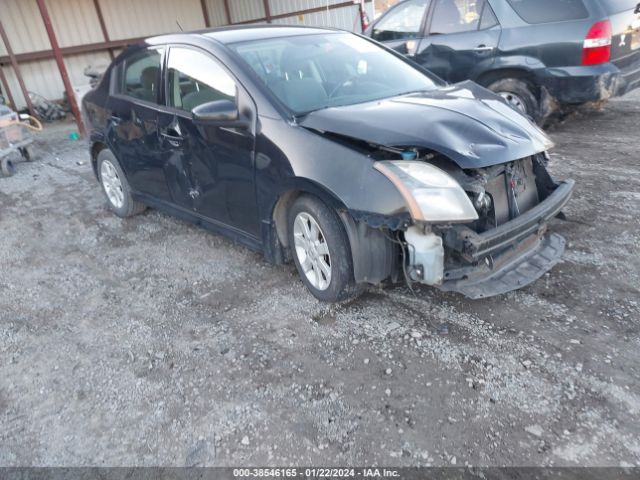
{"type": "Point", "coordinates": [103, 26]}
{"type": "Point", "coordinates": [205, 13]}
{"type": "Point", "coordinates": [227, 12]}
{"type": "Point", "coordinates": [115, 44]}
{"type": "Point", "coordinates": [267, 10]}
{"type": "Point", "coordinates": [61, 66]}
{"type": "Point", "coordinates": [75, 50]}
{"type": "Point", "coordinates": [16, 69]}
{"type": "Point", "coordinates": [7, 90]}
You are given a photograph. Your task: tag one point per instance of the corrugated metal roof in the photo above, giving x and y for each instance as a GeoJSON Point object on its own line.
{"type": "Point", "coordinates": [217, 14]}
{"type": "Point", "coordinates": [244, 10]}
{"type": "Point", "coordinates": [346, 18]}
{"type": "Point", "coordinates": [76, 23]}
{"type": "Point", "coordinates": [140, 18]}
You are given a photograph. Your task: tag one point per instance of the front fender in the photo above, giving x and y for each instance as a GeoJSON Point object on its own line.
{"type": "Point", "coordinates": [293, 158]}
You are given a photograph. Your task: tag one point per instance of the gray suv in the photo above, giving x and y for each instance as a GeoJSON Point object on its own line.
{"type": "Point", "coordinates": [537, 54]}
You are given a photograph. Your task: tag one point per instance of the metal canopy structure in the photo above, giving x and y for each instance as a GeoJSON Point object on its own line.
{"type": "Point", "coordinates": [73, 32]}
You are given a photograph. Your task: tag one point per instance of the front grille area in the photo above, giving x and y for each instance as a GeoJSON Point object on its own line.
{"type": "Point", "coordinates": [513, 192]}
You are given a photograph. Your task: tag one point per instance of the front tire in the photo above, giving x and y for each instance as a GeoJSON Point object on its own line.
{"type": "Point", "coordinates": [115, 186]}
{"type": "Point", "coordinates": [321, 250]}
{"type": "Point", "coordinates": [519, 95]}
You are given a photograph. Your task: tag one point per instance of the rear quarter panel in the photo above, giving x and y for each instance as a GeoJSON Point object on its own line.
{"type": "Point", "coordinates": [557, 44]}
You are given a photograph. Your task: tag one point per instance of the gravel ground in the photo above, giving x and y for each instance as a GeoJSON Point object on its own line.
{"type": "Point", "coordinates": [151, 342]}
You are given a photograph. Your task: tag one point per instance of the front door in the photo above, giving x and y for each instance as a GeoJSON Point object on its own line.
{"type": "Point", "coordinates": [463, 39]}
{"type": "Point", "coordinates": [216, 161]}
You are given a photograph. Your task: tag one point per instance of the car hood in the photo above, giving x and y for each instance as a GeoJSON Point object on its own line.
{"type": "Point", "coordinates": [469, 124]}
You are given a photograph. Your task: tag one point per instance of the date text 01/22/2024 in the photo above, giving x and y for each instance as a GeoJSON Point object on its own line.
{"type": "Point", "coordinates": [315, 472]}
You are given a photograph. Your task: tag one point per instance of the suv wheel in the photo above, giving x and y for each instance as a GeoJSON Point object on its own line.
{"type": "Point", "coordinates": [519, 95]}
{"type": "Point", "coordinates": [115, 186]}
{"type": "Point", "coordinates": [321, 250]}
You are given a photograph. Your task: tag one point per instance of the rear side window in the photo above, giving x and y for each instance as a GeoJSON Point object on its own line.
{"type": "Point", "coordinates": [401, 23]}
{"type": "Point", "coordinates": [142, 75]}
{"type": "Point", "coordinates": [549, 11]}
{"type": "Point", "coordinates": [456, 16]}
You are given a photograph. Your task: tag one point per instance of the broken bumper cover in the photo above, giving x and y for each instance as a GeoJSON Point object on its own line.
{"type": "Point", "coordinates": [511, 275]}
{"type": "Point", "coordinates": [508, 257]}
{"type": "Point", "coordinates": [582, 84]}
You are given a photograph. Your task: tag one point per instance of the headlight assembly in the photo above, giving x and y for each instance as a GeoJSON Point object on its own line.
{"type": "Point", "coordinates": [432, 195]}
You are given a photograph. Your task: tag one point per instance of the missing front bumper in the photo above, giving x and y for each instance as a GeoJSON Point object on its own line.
{"type": "Point", "coordinates": [508, 257]}
{"type": "Point", "coordinates": [489, 280]}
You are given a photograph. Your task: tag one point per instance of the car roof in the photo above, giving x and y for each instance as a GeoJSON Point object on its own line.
{"type": "Point", "coordinates": [240, 33]}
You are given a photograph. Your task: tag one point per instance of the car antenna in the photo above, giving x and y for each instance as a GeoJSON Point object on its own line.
{"type": "Point", "coordinates": [179, 26]}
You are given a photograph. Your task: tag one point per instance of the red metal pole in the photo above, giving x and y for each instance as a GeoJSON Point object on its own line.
{"type": "Point", "coordinates": [16, 69]}
{"type": "Point", "coordinates": [6, 89]}
{"type": "Point", "coordinates": [205, 13]}
{"type": "Point", "coordinates": [363, 15]}
{"type": "Point", "coordinates": [267, 10]}
{"type": "Point", "coordinates": [63, 70]}
{"type": "Point", "coordinates": [227, 11]}
{"type": "Point", "coordinates": [103, 26]}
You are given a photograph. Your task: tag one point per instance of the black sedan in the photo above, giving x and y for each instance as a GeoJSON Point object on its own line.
{"type": "Point", "coordinates": [323, 147]}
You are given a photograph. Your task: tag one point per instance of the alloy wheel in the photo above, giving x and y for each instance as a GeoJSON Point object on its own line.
{"type": "Point", "coordinates": [312, 251]}
{"type": "Point", "coordinates": [112, 184]}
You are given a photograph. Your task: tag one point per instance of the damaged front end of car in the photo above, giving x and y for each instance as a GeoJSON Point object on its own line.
{"type": "Point", "coordinates": [474, 179]}
{"type": "Point", "coordinates": [480, 232]}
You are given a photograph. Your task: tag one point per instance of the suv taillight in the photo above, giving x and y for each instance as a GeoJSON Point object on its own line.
{"type": "Point", "coordinates": [597, 45]}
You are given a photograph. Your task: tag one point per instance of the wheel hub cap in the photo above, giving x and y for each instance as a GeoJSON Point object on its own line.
{"type": "Point", "coordinates": [312, 251]}
{"type": "Point", "coordinates": [112, 184]}
{"type": "Point", "coordinates": [514, 100]}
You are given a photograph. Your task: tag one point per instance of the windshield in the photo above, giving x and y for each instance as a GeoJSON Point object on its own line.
{"type": "Point", "coordinates": [310, 72]}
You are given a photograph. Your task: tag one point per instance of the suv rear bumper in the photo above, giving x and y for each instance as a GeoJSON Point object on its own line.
{"type": "Point", "coordinates": [582, 84]}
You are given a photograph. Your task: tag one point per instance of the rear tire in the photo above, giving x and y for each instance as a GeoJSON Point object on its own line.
{"type": "Point", "coordinates": [7, 168]}
{"type": "Point", "coordinates": [519, 95]}
{"type": "Point", "coordinates": [116, 187]}
{"type": "Point", "coordinates": [321, 250]}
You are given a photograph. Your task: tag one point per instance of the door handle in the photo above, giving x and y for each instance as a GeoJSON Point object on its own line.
{"type": "Point", "coordinates": [482, 48]}
{"type": "Point", "coordinates": [172, 138]}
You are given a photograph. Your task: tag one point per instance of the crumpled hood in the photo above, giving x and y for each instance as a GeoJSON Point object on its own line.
{"type": "Point", "coordinates": [465, 122]}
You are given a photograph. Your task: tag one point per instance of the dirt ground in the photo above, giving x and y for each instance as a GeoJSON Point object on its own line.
{"type": "Point", "coordinates": [151, 342]}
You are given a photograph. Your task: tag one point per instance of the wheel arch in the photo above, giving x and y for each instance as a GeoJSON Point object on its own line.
{"type": "Point", "coordinates": [96, 148]}
{"type": "Point", "coordinates": [372, 254]}
{"type": "Point", "coordinates": [487, 78]}
{"type": "Point", "coordinates": [289, 194]}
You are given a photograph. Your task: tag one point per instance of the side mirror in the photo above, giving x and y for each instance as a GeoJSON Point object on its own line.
{"type": "Point", "coordinates": [216, 112]}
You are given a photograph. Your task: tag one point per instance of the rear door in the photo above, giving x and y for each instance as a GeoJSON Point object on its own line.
{"type": "Point", "coordinates": [133, 125]}
{"type": "Point", "coordinates": [402, 26]}
{"type": "Point", "coordinates": [625, 48]}
{"type": "Point", "coordinates": [463, 37]}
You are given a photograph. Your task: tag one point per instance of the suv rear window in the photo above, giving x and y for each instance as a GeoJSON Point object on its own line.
{"type": "Point", "coordinates": [617, 6]}
{"type": "Point", "coordinates": [548, 11]}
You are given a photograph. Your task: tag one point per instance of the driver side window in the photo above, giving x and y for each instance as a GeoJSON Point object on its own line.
{"type": "Point", "coordinates": [196, 78]}
{"type": "Point", "coordinates": [402, 23]}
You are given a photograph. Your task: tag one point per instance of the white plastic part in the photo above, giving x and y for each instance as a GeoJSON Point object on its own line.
{"type": "Point", "coordinates": [426, 255]}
